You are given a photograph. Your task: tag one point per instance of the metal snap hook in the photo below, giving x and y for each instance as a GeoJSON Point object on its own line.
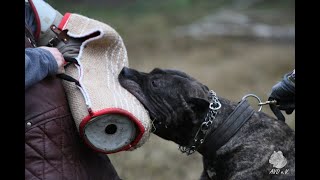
{"type": "Point", "coordinates": [268, 102]}
{"type": "Point", "coordinates": [215, 108]}
{"type": "Point", "coordinates": [255, 96]}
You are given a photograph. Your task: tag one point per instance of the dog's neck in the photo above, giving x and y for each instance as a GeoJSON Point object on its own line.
{"type": "Point", "coordinates": [226, 109]}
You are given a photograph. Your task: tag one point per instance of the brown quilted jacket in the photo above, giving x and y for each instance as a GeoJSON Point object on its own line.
{"type": "Point", "coordinates": [53, 148]}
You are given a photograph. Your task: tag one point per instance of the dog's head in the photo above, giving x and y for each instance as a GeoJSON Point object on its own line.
{"type": "Point", "coordinates": [175, 101]}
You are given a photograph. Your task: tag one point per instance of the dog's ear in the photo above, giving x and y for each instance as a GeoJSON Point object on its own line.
{"type": "Point", "coordinates": [199, 106]}
{"type": "Point", "coordinates": [198, 103]}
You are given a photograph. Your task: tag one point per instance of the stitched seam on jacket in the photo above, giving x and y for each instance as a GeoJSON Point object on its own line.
{"type": "Point", "coordinates": [52, 109]}
{"type": "Point", "coordinates": [63, 155]}
{"type": "Point", "coordinates": [45, 121]}
{"type": "Point", "coordinates": [62, 150]}
{"type": "Point", "coordinates": [32, 173]}
{"type": "Point", "coordinates": [43, 158]}
{"type": "Point", "coordinates": [56, 145]}
{"type": "Point", "coordinates": [44, 155]}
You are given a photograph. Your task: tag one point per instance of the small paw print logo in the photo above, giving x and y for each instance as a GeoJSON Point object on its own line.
{"type": "Point", "coordinates": [278, 160]}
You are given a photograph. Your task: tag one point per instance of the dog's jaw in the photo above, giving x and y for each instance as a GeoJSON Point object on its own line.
{"type": "Point", "coordinates": [175, 117]}
{"type": "Point", "coordinates": [135, 89]}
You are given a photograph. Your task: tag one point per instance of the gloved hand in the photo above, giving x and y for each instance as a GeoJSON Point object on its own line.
{"type": "Point", "coordinates": [71, 48]}
{"type": "Point", "coordinates": [284, 93]}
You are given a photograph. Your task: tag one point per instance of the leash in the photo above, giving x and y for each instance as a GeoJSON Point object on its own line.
{"type": "Point", "coordinates": [274, 108]}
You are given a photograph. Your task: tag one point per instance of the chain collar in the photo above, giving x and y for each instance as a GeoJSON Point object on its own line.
{"type": "Point", "coordinates": [198, 139]}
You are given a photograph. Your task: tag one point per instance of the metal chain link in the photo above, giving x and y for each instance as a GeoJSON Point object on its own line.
{"type": "Point", "coordinates": [214, 106]}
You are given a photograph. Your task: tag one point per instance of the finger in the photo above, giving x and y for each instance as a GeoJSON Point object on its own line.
{"type": "Point", "coordinates": [276, 111]}
{"type": "Point", "coordinates": [286, 105]}
{"type": "Point", "coordinates": [61, 70]}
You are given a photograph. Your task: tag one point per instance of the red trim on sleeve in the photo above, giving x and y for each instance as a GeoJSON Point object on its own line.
{"type": "Point", "coordinates": [64, 21]}
{"type": "Point", "coordinates": [112, 111]}
{"type": "Point", "coordinates": [38, 30]}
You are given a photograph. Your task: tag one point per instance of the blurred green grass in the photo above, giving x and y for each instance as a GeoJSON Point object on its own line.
{"type": "Point", "coordinates": [232, 67]}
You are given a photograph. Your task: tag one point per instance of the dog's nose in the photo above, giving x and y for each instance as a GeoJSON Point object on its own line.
{"type": "Point", "coordinates": [129, 73]}
{"type": "Point", "coordinates": [125, 72]}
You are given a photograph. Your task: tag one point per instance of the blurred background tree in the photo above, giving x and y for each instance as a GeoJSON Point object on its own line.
{"type": "Point", "coordinates": [235, 47]}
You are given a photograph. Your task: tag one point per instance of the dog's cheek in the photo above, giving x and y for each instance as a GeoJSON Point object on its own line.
{"type": "Point", "coordinates": [163, 134]}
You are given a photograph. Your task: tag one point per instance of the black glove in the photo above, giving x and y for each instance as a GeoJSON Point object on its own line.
{"type": "Point", "coordinates": [284, 93]}
{"type": "Point", "coordinates": [71, 48]}
{"type": "Point", "coordinates": [68, 46]}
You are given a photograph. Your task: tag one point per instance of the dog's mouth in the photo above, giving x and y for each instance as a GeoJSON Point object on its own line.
{"type": "Point", "coordinates": [128, 79]}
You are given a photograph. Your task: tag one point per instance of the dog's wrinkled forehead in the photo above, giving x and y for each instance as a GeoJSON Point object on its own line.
{"type": "Point", "coordinates": [170, 80]}
{"type": "Point", "coordinates": [171, 72]}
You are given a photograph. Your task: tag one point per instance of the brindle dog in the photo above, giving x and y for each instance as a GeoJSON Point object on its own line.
{"type": "Point", "coordinates": [263, 148]}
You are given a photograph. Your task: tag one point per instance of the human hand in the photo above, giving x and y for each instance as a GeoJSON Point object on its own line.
{"type": "Point", "coordinates": [71, 48]}
{"type": "Point", "coordinates": [57, 56]}
{"type": "Point", "coordinates": [284, 93]}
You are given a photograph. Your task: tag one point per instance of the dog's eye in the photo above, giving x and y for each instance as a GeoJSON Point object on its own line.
{"type": "Point", "coordinates": [154, 84]}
